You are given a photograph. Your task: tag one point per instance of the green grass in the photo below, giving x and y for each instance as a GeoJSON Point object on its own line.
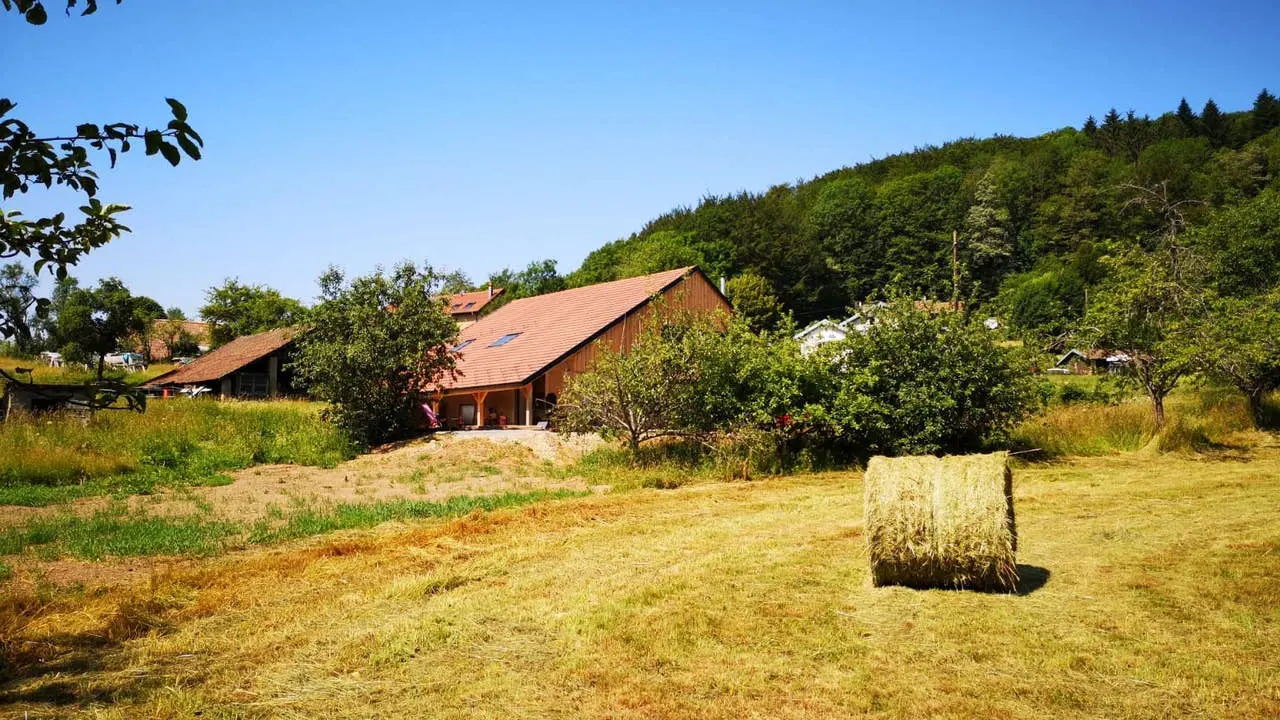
{"type": "Point", "coordinates": [75, 375]}
{"type": "Point", "coordinates": [1197, 420]}
{"type": "Point", "coordinates": [347, 516]}
{"type": "Point", "coordinates": [661, 465]}
{"type": "Point", "coordinates": [117, 532]}
{"type": "Point", "coordinates": [176, 442]}
{"type": "Point", "coordinates": [120, 535]}
{"type": "Point", "coordinates": [1152, 590]}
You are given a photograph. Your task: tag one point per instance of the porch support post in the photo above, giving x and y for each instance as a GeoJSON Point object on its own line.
{"type": "Point", "coordinates": [273, 375]}
{"type": "Point", "coordinates": [527, 390]}
{"type": "Point", "coordinates": [479, 397]}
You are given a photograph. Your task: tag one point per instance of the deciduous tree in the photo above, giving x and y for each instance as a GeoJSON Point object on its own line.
{"type": "Point", "coordinates": [97, 322]}
{"type": "Point", "coordinates": [234, 309]}
{"type": "Point", "coordinates": [754, 301]}
{"type": "Point", "coordinates": [19, 305]}
{"type": "Point", "coordinates": [29, 158]}
{"type": "Point", "coordinates": [374, 348]}
{"type": "Point", "coordinates": [1238, 342]}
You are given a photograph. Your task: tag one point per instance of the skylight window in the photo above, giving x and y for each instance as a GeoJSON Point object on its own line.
{"type": "Point", "coordinates": [504, 339]}
{"type": "Point", "coordinates": [463, 344]}
{"type": "Point", "coordinates": [469, 306]}
{"type": "Point", "coordinates": [456, 306]}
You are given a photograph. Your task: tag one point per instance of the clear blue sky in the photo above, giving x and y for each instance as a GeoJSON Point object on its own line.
{"type": "Point", "coordinates": [478, 136]}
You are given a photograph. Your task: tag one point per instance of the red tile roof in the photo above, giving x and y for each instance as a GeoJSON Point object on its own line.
{"type": "Point", "coordinates": [471, 302]}
{"type": "Point", "coordinates": [548, 327]}
{"type": "Point", "coordinates": [199, 331]}
{"type": "Point", "coordinates": [226, 359]}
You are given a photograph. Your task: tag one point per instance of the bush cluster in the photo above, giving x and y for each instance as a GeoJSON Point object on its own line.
{"type": "Point", "coordinates": [913, 383]}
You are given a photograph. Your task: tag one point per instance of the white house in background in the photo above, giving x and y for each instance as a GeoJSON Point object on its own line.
{"type": "Point", "coordinates": [828, 331]}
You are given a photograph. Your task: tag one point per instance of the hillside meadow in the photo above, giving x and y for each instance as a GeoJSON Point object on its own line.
{"type": "Point", "coordinates": [1148, 590]}
{"type": "Point", "coordinates": [577, 585]}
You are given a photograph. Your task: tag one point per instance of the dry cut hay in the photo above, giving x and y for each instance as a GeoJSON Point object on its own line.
{"type": "Point", "coordinates": [941, 522]}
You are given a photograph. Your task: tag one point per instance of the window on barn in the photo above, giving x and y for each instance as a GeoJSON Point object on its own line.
{"type": "Point", "coordinates": [251, 384]}
{"type": "Point", "coordinates": [468, 306]}
{"type": "Point", "coordinates": [504, 339]}
{"type": "Point", "coordinates": [463, 344]}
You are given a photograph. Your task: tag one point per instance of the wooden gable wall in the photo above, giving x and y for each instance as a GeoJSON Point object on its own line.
{"type": "Point", "coordinates": [693, 292]}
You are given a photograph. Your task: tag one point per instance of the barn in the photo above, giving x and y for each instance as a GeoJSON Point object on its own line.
{"type": "Point", "coordinates": [253, 366]}
{"type": "Point", "coordinates": [514, 361]}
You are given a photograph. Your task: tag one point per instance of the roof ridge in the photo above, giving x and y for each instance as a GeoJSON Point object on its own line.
{"type": "Point", "coordinates": [683, 271]}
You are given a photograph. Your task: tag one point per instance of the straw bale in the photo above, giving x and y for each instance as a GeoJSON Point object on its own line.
{"type": "Point", "coordinates": [941, 522]}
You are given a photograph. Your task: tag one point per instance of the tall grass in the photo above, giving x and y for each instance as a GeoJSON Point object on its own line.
{"type": "Point", "coordinates": [47, 459]}
{"type": "Point", "coordinates": [75, 374]}
{"type": "Point", "coordinates": [1196, 420]}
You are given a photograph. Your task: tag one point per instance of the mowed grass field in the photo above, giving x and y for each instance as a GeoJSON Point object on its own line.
{"type": "Point", "coordinates": [1151, 589]}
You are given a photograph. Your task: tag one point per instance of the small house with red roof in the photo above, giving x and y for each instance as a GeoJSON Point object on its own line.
{"type": "Point", "coordinates": [467, 307]}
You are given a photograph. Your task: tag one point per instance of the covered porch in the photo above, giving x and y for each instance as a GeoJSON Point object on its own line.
{"type": "Point", "coordinates": [524, 405]}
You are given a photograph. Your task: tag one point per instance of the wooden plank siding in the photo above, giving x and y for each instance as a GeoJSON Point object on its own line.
{"type": "Point", "coordinates": [694, 292]}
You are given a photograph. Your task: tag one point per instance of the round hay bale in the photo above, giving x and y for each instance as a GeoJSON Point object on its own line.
{"type": "Point", "coordinates": [941, 522]}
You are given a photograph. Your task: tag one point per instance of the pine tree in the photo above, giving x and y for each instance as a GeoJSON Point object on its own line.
{"type": "Point", "coordinates": [1110, 132]}
{"type": "Point", "coordinates": [1188, 118]}
{"type": "Point", "coordinates": [1214, 123]}
{"type": "Point", "coordinates": [1266, 113]}
{"type": "Point", "coordinates": [1090, 127]}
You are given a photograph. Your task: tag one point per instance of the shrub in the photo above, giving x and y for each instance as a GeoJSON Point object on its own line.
{"type": "Point", "coordinates": [917, 383]}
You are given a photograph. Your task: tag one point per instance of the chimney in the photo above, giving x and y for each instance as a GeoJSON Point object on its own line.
{"type": "Point", "coordinates": [490, 290]}
{"type": "Point", "coordinates": [722, 292]}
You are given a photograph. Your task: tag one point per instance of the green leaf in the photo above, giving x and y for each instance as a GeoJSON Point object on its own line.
{"type": "Point", "coordinates": [153, 140]}
{"type": "Point", "coordinates": [189, 147]}
{"type": "Point", "coordinates": [179, 110]}
{"type": "Point", "coordinates": [36, 15]}
{"type": "Point", "coordinates": [87, 130]}
{"type": "Point", "coordinates": [170, 153]}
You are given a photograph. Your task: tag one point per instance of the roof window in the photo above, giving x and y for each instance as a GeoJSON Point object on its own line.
{"type": "Point", "coordinates": [504, 339]}
{"type": "Point", "coordinates": [469, 306]}
{"type": "Point", "coordinates": [456, 306]}
{"type": "Point", "coordinates": [463, 344]}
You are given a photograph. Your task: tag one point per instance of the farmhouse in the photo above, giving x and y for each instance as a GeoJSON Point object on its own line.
{"type": "Point", "coordinates": [1092, 362]}
{"type": "Point", "coordinates": [514, 361]}
{"type": "Point", "coordinates": [466, 307]}
{"type": "Point", "coordinates": [249, 366]}
{"type": "Point", "coordinates": [821, 332]}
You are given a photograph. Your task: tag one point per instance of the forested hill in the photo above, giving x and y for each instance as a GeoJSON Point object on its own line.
{"type": "Point", "coordinates": [1034, 215]}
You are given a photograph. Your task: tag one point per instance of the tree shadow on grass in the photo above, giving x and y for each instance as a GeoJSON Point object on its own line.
{"type": "Point", "coordinates": [1031, 578]}
{"type": "Point", "coordinates": [84, 672]}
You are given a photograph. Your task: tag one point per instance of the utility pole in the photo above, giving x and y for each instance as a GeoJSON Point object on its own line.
{"type": "Point", "coordinates": [955, 271]}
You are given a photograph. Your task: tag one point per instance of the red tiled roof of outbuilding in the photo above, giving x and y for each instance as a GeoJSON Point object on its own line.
{"type": "Point", "coordinates": [227, 359]}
